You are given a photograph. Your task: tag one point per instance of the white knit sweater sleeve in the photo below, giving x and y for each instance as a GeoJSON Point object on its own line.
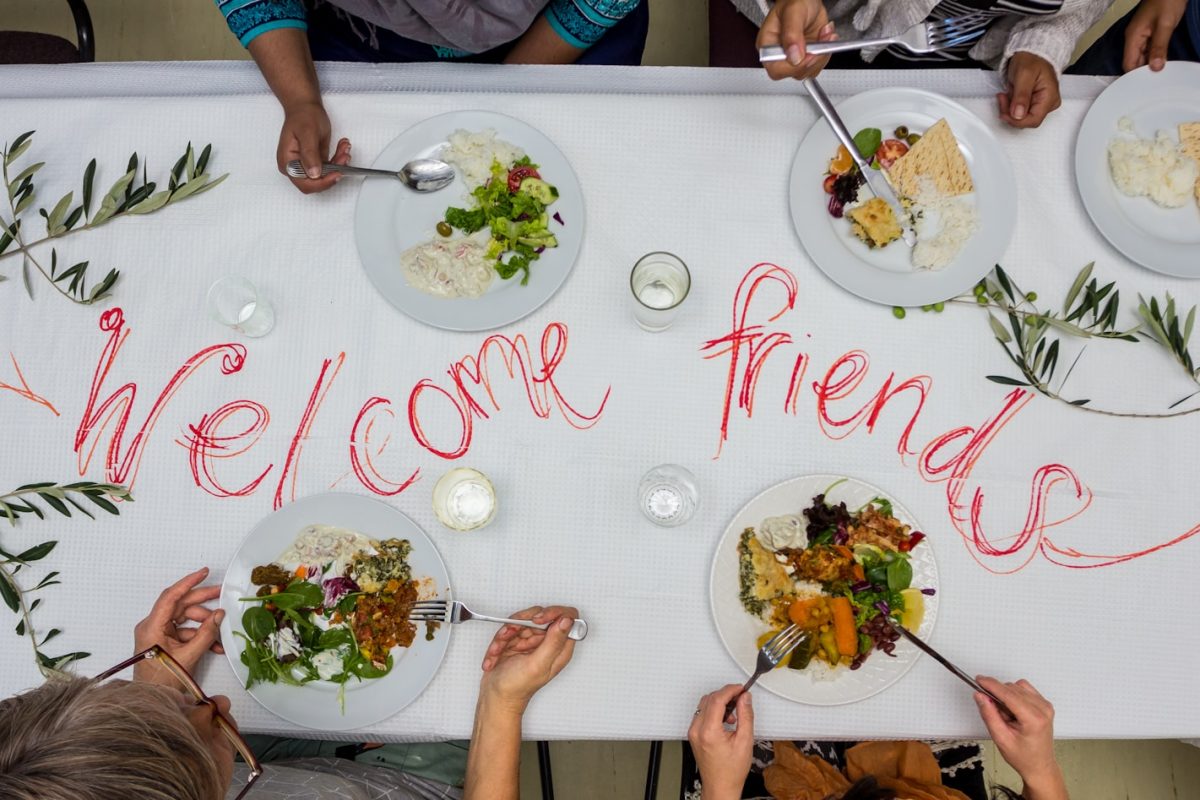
{"type": "Point", "coordinates": [1054, 37]}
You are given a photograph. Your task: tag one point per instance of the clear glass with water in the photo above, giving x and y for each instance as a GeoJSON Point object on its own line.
{"type": "Point", "coordinates": [236, 303]}
{"type": "Point", "coordinates": [667, 495]}
{"type": "Point", "coordinates": [464, 499]}
{"type": "Point", "coordinates": [660, 282]}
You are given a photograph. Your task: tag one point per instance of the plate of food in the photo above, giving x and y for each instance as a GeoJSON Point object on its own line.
{"type": "Point", "coordinates": [488, 249]}
{"type": "Point", "coordinates": [951, 174]}
{"type": "Point", "coordinates": [1137, 165]}
{"type": "Point", "coordinates": [832, 555]}
{"type": "Point", "coordinates": [316, 611]}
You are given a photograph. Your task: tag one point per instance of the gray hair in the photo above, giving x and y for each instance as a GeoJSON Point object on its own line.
{"type": "Point", "coordinates": [72, 739]}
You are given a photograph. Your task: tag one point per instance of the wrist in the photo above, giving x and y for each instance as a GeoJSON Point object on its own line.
{"type": "Point", "coordinates": [301, 102]}
{"type": "Point", "coordinates": [1046, 784]}
{"type": "Point", "coordinates": [495, 705]}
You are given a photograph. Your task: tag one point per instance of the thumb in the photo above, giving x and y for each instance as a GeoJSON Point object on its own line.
{"type": "Point", "coordinates": [207, 634]}
{"type": "Point", "coordinates": [995, 723]}
{"type": "Point", "coordinates": [555, 645]}
{"type": "Point", "coordinates": [1021, 93]}
{"type": "Point", "coordinates": [1159, 40]}
{"type": "Point", "coordinates": [311, 151]}
{"type": "Point", "coordinates": [745, 718]}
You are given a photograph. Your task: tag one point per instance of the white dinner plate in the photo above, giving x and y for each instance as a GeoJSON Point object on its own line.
{"type": "Point", "coordinates": [1166, 240]}
{"type": "Point", "coordinates": [886, 275]}
{"type": "Point", "coordinates": [315, 704]}
{"type": "Point", "coordinates": [390, 218]}
{"type": "Point", "coordinates": [739, 630]}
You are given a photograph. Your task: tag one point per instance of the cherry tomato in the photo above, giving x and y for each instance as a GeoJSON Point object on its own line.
{"type": "Point", "coordinates": [828, 185]}
{"type": "Point", "coordinates": [889, 151]}
{"type": "Point", "coordinates": [842, 162]}
{"type": "Point", "coordinates": [518, 174]}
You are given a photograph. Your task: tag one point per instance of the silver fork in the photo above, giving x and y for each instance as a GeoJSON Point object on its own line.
{"type": "Point", "coordinates": [775, 649]}
{"type": "Point", "coordinates": [924, 37]}
{"type": "Point", "coordinates": [454, 612]}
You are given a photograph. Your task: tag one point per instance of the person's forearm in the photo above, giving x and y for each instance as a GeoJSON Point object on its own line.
{"type": "Point", "coordinates": [284, 59]}
{"type": "Point", "coordinates": [494, 760]}
{"type": "Point", "coordinates": [541, 45]}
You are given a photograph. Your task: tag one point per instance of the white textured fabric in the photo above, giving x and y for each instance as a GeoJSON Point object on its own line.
{"type": "Point", "coordinates": [691, 161]}
{"type": "Point", "coordinates": [1052, 37]}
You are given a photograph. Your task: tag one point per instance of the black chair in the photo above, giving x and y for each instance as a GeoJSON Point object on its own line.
{"type": "Point", "coordinates": [28, 47]}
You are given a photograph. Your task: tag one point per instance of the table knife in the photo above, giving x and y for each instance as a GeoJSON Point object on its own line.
{"type": "Point", "coordinates": [877, 180]}
{"type": "Point", "coordinates": [964, 677]}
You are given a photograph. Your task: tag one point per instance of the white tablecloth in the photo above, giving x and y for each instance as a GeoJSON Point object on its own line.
{"type": "Point", "coordinates": [691, 161]}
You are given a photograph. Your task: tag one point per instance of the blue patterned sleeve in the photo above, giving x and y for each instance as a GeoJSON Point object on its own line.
{"type": "Point", "coordinates": [250, 18]}
{"type": "Point", "coordinates": [581, 23]}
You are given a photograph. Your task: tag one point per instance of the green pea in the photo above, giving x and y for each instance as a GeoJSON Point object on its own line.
{"type": "Point", "coordinates": [939, 307]}
{"type": "Point", "coordinates": [898, 312]}
{"type": "Point", "coordinates": [982, 300]}
{"type": "Point", "coordinates": [1031, 297]}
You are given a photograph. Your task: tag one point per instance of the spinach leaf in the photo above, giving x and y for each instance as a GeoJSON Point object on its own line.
{"type": "Point", "coordinates": [298, 594]}
{"type": "Point", "coordinates": [867, 141]}
{"type": "Point", "coordinates": [899, 574]}
{"type": "Point", "coordinates": [334, 638]}
{"type": "Point", "coordinates": [258, 623]}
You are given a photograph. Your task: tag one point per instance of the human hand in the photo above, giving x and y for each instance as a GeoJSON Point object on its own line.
{"type": "Point", "coordinates": [520, 661]}
{"type": "Point", "coordinates": [179, 602]}
{"type": "Point", "coordinates": [1032, 91]}
{"type": "Point", "coordinates": [790, 23]}
{"type": "Point", "coordinates": [723, 756]}
{"type": "Point", "coordinates": [1026, 743]}
{"type": "Point", "coordinates": [1149, 31]}
{"type": "Point", "coordinates": [305, 136]}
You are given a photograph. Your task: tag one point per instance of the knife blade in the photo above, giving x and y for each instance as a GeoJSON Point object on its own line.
{"type": "Point", "coordinates": [877, 180]}
{"type": "Point", "coordinates": [938, 657]}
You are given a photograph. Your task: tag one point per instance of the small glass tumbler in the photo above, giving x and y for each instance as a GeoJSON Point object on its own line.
{"type": "Point", "coordinates": [464, 499]}
{"type": "Point", "coordinates": [235, 303]}
{"type": "Point", "coordinates": [667, 495]}
{"type": "Point", "coordinates": [660, 282]}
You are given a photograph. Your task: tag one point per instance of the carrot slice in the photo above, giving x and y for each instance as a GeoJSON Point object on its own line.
{"type": "Point", "coordinates": [845, 634]}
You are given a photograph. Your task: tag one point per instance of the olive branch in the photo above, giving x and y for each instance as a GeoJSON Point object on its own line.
{"type": "Point", "coordinates": [60, 498]}
{"type": "Point", "coordinates": [1032, 335]}
{"type": "Point", "coordinates": [126, 197]}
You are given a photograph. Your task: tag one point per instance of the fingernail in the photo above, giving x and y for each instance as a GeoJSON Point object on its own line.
{"type": "Point", "coordinates": [220, 615]}
{"type": "Point", "coordinates": [793, 55]}
{"type": "Point", "coordinates": [1018, 112]}
{"type": "Point", "coordinates": [828, 29]}
{"type": "Point", "coordinates": [1157, 64]}
{"type": "Point", "coordinates": [314, 172]}
{"type": "Point", "coordinates": [338, 177]}
{"type": "Point", "coordinates": [565, 624]}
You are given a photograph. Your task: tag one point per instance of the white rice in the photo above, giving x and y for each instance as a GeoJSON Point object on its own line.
{"type": "Point", "coordinates": [943, 224]}
{"type": "Point", "coordinates": [473, 152]}
{"type": "Point", "coordinates": [1155, 168]}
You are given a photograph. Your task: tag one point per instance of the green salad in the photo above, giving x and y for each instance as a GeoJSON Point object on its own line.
{"type": "Point", "coordinates": [513, 206]}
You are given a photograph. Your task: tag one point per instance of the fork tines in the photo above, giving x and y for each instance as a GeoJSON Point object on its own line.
{"type": "Point", "coordinates": [956, 30]}
{"type": "Point", "coordinates": [428, 610]}
{"type": "Point", "coordinates": [783, 642]}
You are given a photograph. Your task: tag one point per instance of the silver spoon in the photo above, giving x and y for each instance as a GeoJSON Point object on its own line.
{"type": "Point", "coordinates": [420, 175]}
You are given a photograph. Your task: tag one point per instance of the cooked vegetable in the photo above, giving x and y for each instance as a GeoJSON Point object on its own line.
{"type": "Point", "coordinates": [760, 577]}
{"type": "Point", "coordinates": [444, 229]}
{"type": "Point", "coordinates": [845, 631]}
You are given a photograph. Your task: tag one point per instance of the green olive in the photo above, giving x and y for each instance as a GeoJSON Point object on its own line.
{"type": "Point", "coordinates": [444, 228]}
{"type": "Point", "coordinates": [902, 132]}
{"type": "Point", "coordinates": [912, 138]}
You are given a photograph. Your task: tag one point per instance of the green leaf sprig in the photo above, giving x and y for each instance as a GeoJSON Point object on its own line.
{"type": "Point", "coordinates": [1031, 335]}
{"type": "Point", "coordinates": [60, 498]}
{"type": "Point", "coordinates": [189, 177]}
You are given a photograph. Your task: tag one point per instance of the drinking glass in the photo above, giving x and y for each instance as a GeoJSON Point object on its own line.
{"type": "Point", "coordinates": [667, 495]}
{"type": "Point", "coordinates": [660, 283]}
{"type": "Point", "coordinates": [464, 499]}
{"type": "Point", "coordinates": [235, 303]}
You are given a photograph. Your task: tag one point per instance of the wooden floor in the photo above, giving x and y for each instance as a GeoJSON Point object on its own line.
{"type": "Point", "coordinates": [150, 30]}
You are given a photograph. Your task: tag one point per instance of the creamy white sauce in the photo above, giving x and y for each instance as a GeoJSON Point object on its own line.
{"type": "Point", "coordinates": [778, 533]}
{"type": "Point", "coordinates": [284, 643]}
{"type": "Point", "coordinates": [318, 545]}
{"type": "Point", "coordinates": [448, 267]}
{"type": "Point", "coordinates": [328, 663]}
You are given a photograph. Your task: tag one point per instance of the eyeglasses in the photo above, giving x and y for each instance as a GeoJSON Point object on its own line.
{"type": "Point", "coordinates": [189, 683]}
